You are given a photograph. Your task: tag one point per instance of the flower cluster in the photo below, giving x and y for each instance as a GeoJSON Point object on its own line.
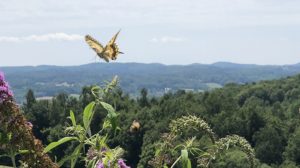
{"type": "Point", "coordinates": [95, 154]}
{"type": "Point", "coordinates": [5, 92]}
{"type": "Point", "coordinates": [100, 165]}
{"type": "Point", "coordinates": [122, 164]}
{"type": "Point", "coordinates": [17, 131]}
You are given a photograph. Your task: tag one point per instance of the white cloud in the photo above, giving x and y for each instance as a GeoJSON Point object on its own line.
{"type": "Point", "coordinates": [206, 14]}
{"type": "Point", "coordinates": [43, 37]}
{"type": "Point", "coordinates": [167, 39]}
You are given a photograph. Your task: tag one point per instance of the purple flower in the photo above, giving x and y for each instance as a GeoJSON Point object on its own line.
{"type": "Point", "coordinates": [103, 149]}
{"type": "Point", "coordinates": [3, 89]}
{"type": "Point", "coordinates": [10, 93]}
{"type": "Point", "coordinates": [1, 76]}
{"type": "Point", "coordinates": [91, 153]}
{"type": "Point", "coordinates": [122, 164]}
{"type": "Point", "coordinates": [5, 93]}
{"type": "Point", "coordinates": [100, 165]}
{"type": "Point", "coordinates": [29, 124]}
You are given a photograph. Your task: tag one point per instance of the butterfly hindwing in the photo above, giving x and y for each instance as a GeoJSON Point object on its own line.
{"type": "Point", "coordinates": [109, 51]}
{"type": "Point", "coordinates": [105, 58]}
{"type": "Point", "coordinates": [113, 47]}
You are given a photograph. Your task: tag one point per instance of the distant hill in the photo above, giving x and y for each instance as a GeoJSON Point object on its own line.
{"type": "Point", "coordinates": [49, 80]}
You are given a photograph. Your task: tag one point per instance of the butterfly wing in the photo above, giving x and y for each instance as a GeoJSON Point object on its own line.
{"type": "Point", "coordinates": [113, 39]}
{"type": "Point", "coordinates": [94, 44]}
{"type": "Point", "coordinates": [115, 51]}
{"type": "Point", "coordinates": [105, 58]}
{"type": "Point", "coordinates": [112, 49]}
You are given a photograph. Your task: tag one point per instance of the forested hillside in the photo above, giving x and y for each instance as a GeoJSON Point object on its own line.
{"type": "Point", "coordinates": [267, 114]}
{"type": "Point", "coordinates": [51, 80]}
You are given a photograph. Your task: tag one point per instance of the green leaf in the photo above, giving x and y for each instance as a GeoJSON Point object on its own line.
{"type": "Point", "coordinates": [23, 151]}
{"type": "Point", "coordinates": [112, 116]}
{"type": "Point", "coordinates": [66, 158]}
{"type": "Point", "coordinates": [9, 135]}
{"type": "Point", "coordinates": [91, 163]}
{"type": "Point", "coordinates": [63, 160]}
{"type": "Point", "coordinates": [108, 107]}
{"type": "Point", "coordinates": [5, 137]}
{"type": "Point", "coordinates": [186, 163]}
{"type": "Point", "coordinates": [189, 164]}
{"type": "Point", "coordinates": [4, 156]}
{"type": "Point", "coordinates": [72, 117]}
{"type": "Point", "coordinates": [59, 142]}
{"type": "Point", "coordinates": [1, 166]}
{"type": "Point", "coordinates": [75, 155]}
{"type": "Point", "coordinates": [111, 85]}
{"type": "Point", "coordinates": [97, 91]}
{"type": "Point", "coordinates": [87, 115]}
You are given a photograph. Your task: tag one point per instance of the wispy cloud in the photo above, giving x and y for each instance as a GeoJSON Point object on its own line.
{"type": "Point", "coordinates": [167, 39]}
{"type": "Point", "coordinates": [204, 14]}
{"type": "Point", "coordinates": [43, 37]}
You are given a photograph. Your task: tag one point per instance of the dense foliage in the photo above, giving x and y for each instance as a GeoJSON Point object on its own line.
{"type": "Point", "coordinates": [16, 137]}
{"type": "Point", "coordinates": [51, 80]}
{"type": "Point", "coordinates": [265, 113]}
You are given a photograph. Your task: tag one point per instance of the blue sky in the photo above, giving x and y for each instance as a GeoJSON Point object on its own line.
{"type": "Point", "coordinates": [51, 32]}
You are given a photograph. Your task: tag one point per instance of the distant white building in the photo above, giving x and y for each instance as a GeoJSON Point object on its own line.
{"type": "Point", "coordinates": [44, 98]}
{"type": "Point", "coordinates": [188, 90]}
{"type": "Point", "coordinates": [168, 90]}
{"type": "Point", "coordinates": [65, 84]}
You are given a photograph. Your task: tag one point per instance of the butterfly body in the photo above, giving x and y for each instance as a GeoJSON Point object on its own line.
{"type": "Point", "coordinates": [109, 52]}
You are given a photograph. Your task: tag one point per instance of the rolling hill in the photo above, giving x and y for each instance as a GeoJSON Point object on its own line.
{"type": "Point", "coordinates": [48, 80]}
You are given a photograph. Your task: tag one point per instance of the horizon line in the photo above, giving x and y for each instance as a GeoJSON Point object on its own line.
{"type": "Point", "coordinates": [196, 63]}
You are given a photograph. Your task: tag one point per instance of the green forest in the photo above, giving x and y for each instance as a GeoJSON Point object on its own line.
{"type": "Point", "coordinates": [266, 114]}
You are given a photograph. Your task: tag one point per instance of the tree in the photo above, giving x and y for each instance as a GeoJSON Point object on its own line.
{"type": "Point", "coordinates": [269, 145]}
{"type": "Point", "coordinates": [143, 100]}
{"type": "Point", "coordinates": [292, 151]}
{"type": "Point", "coordinates": [30, 99]}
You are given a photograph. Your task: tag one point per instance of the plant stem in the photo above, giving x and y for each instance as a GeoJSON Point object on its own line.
{"type": "Point", "coordinates": [176, 161]}
{"type": "Point", "coordinates": [73, 162]}
{"type": "Point", "coordinates": [13, 160]}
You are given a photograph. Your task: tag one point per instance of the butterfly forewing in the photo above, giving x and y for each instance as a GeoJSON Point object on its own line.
{"type": "Point", "coordinates": [94, 44]}
{"type": "Point", "coordinates": [113, 39]}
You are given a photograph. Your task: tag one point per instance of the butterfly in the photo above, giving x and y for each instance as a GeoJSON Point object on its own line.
{"type": "Point", "coordinates": [135, 126]}
{"type": "Point", "coordinates": [110, 51]}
